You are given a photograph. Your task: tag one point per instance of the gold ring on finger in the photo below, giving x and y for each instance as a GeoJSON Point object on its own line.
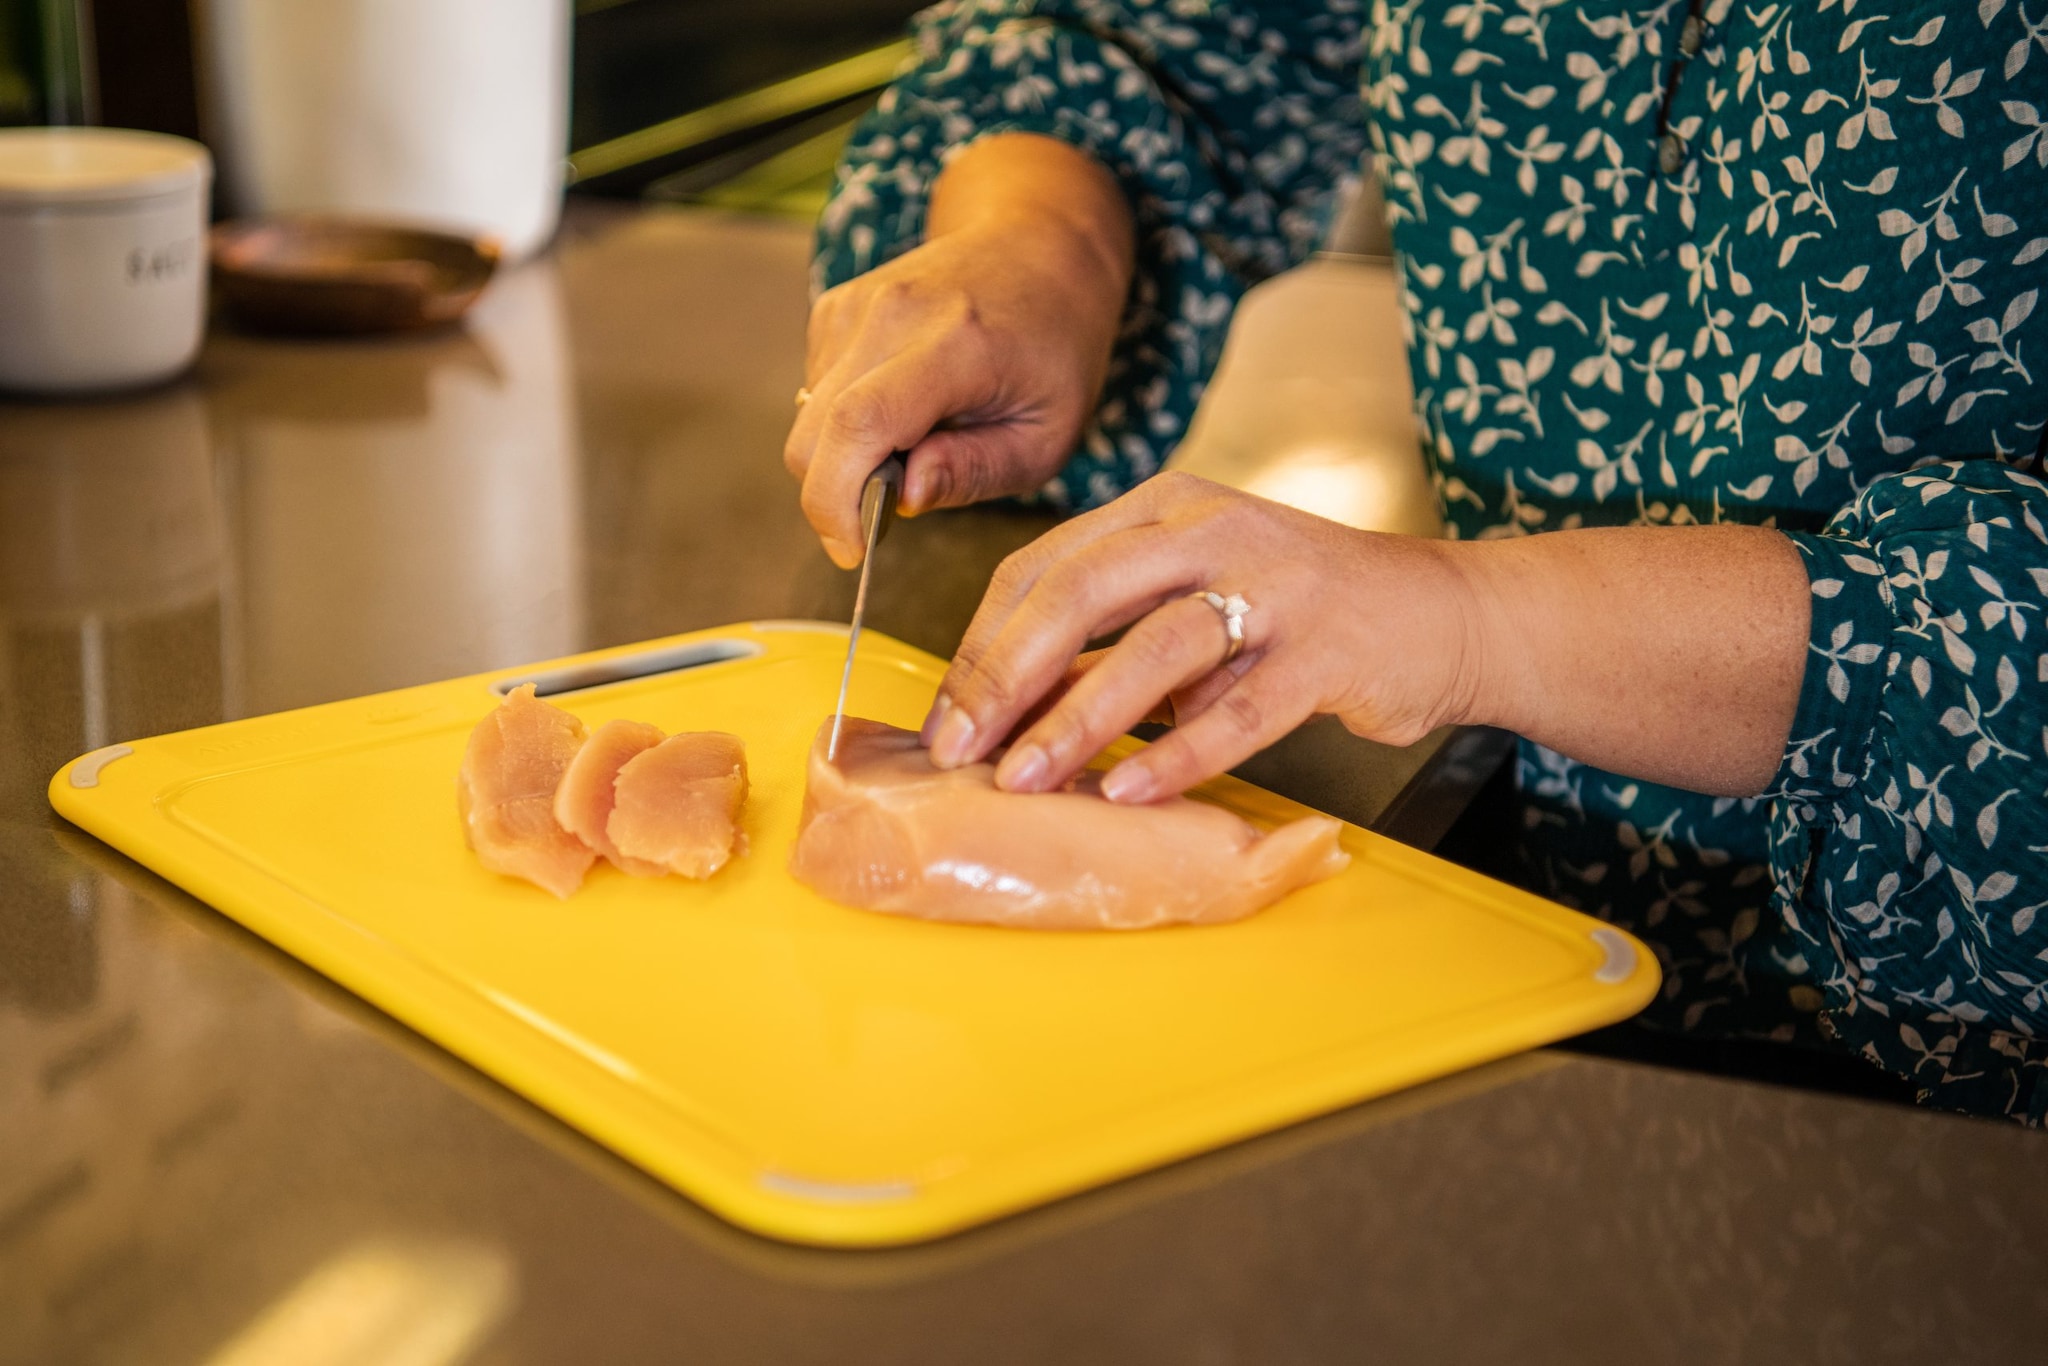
{"type": "Point", "coordinates": [803, 396]}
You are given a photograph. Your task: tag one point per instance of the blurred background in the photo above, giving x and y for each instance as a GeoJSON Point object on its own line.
{"type": "Point", "coordinates": [669, 98]}
{"type": "Point", "coordinates": [205, 1150]}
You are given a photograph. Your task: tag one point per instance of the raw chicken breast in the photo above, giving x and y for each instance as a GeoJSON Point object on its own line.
{"type": "Point", "coordinates": [884, 830]}
{"type": "Point", "coordinates": [506, 793]}
{"type": "Point", "coordinates": [586, 798]}
{"type": "Point", "coordinates": [676, 806]}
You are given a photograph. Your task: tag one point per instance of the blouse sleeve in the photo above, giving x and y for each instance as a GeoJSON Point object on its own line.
{"type": "Point", "coordinates": [1912, 847]}
{"type": "Point", "coordinates": [1228, 127]}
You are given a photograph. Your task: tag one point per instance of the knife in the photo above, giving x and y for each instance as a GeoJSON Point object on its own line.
{"type": "Point", "coordinates": [878, 498]}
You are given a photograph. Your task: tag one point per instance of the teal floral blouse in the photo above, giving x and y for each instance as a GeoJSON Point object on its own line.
{"type": "Point", "coordinates": [1776, 263]}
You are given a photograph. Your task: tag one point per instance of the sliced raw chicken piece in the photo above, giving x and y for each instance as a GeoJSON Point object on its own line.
{"type": "Point", "coordinates": [676, 806]}
{"type": "Point", "coordinates": [884, 830]}
{"type": "Point", "coordinates": [587, 796]}
{"type": "Point", "coordinates": [506, 793]}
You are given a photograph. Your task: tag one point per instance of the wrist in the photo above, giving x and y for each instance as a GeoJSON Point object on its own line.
{"type": "Point", "coordinates": [1037, 195]}
{"type": "Point", "coordinates": [1060, 256]}
{"type": "Point", "coordinates": [1493, 681]}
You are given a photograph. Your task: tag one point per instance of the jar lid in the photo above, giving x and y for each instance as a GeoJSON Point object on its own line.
{"type": "Point", "coordinates": [96, 165]}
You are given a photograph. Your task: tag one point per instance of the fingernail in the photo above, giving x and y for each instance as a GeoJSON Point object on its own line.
{"type": "Point", "coordinates": [930, 729]}
{"type": "Point", "coordinates": [1126, 783]}
{"type": "Point", "coordinates": [955, 734]}
{"type": "Point", "coordinates": [843, 555]}
{"type": "Point", "coordinates": [1022, 769]}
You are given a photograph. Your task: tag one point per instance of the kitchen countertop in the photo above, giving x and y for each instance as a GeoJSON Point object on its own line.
{"type": "Point", "coordinates": [203, 1145]}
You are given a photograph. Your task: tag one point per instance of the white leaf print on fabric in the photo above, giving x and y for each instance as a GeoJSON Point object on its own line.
{"type": "Point", "coordinates": [1837, 286]}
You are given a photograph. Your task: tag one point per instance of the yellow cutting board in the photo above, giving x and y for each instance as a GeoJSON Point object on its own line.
{"type": "Point", "coordinates": [816, 1073]}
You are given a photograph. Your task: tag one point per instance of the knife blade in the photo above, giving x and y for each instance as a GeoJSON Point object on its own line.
{"type": "Point", "coordinates": [878, 499]}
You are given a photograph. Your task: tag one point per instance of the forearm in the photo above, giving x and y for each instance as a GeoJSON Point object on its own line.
{"type": "Point", "coordinates": [1219, 182]}
{"type": "Point", "coordinates": [1670, 654]}
{"type": "Point", "coordinates": [1042, 196]}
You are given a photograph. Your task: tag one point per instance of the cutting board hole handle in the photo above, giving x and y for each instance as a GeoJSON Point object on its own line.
{"type": "Point", "coordinates": [669, 659]}
{"type": "Point", "coordinates": [85, 772]}
{"type": "Point", "coordinates": [1620, 961]}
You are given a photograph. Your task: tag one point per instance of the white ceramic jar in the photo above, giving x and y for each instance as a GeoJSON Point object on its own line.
{"type": "Point", "coordinates": [102, 257]}
{"type": "Point", "coordinates": [440, 113]}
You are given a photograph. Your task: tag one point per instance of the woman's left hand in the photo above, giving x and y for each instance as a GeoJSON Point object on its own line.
{"type": "Point", "coordinates": [1375, 629]}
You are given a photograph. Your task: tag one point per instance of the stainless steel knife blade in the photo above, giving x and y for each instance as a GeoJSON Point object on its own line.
{"type": "Point", "coordinates": [878, 499]}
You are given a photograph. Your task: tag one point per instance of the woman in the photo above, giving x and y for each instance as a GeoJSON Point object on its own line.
{"type": "Point", "coordinates": [1736, 305]}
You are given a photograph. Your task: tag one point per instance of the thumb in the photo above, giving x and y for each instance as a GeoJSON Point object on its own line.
{"type": "Point", "coordinates": [958, 466]}
{"type": "Point", "coordinates": [892, 407]}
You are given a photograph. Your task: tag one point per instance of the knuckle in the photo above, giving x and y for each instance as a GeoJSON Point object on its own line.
{"type": "Point", "coordinates": [835, 298]}
{"type": "Point", "coordinates": [1241, 712]}
{"type": "Point", "coordinates": [1191, 701]}
{"type": "Point", "coordinates": [819, 505]}
{"type": "Point", "coordinates": [815, 508]}
{"type": "Point", "coordinates": [899, 295]}
{"type": "Point", "coordinates": [966, 663]}
{"type": "Point", "coordinates": [1016, 569]}
{"type": "Point", "coordinates": [960, 482]}
{"type": "Point", "coordinates": [824, 313]}
{"type": "Point", "coordinates": [830, 317]}
{"type": "Point", "coordinates": [1066, 581]}
{"type": "Point", "coordinates": [1173, 763]}
{"type": "Point", "coordinates": [1161, 643]}
{"type": "Point", "coordinates": [1063, 736]}
{"type": "Point", "coordinates": [942, 484]}
{"type": "Point", "coordinates": [993, 687]}
{"type": "Point", "coordinates": [856, 414]}
{"type": "Point", "coordinates": [1064, 593]}
{"type": "Point", "coordinates": [977, 469]}
{"type": "Point", "coordinates": [973, 648]}
{"type": "Point", "coordinates": [1224, 510]}
{"type": "Point", "coordinates": [969, 322]}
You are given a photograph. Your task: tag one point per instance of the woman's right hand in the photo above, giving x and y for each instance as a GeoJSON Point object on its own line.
{"type": "Point", "coordinates": [980, 352]}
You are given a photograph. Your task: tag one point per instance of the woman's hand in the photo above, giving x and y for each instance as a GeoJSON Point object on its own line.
{"type": "Point", "coordinates": [1375, 629]}
{"type": "Point", "coordinates": [1671, 654]}
{"type": "Point", "coordinates": [980, 352]}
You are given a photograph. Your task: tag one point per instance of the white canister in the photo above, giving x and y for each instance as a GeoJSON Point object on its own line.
{"type": "Point", "coordinates": [102, 257]}
{"type": "Point", "coordinates": [443, 113]}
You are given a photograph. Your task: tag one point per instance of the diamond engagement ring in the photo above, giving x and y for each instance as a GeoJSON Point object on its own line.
{"type": "Point", "coordinates": [1232, 609]}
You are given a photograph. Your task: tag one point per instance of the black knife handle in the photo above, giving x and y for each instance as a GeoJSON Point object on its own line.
{"type": "Point", "coordinates": [879, 497]}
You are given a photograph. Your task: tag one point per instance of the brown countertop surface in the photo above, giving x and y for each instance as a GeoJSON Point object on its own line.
{"type": "Point", "coordinates": [204, 1147]}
